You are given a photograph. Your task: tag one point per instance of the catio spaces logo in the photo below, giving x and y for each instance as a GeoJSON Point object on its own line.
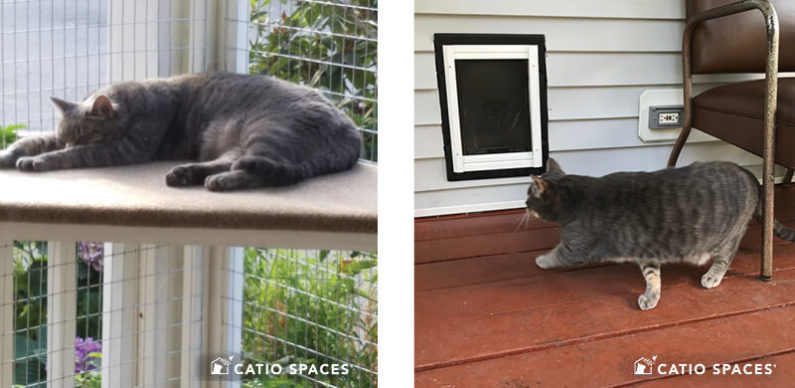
{"type": "Point", "coordinates": [649, 366]}
{"type": "Point", "coordinates": [644, 366]}
{"type": "Point", "coordinates": [233, 366]}
{"type": "Point", "coordinates": [220, 366]}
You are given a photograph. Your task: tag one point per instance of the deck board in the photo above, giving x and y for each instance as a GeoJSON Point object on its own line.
{"type": "Point", "coordinates": [488, 316]}
{"type": "Point", "coordinates": [609, 362]}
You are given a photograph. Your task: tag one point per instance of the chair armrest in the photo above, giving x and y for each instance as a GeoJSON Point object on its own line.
{"type": "Point", "coordinates": [771, 71]}
{"type": "Point", "coordinates": [771, 68]}
{"type": "Point", "coordinates": [771, 23]}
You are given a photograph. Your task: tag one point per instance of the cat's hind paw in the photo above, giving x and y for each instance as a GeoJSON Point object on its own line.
{"type": "Point", "coordinates": [32, 164]}
{"type": "Point", "coordinates": [7, 159]}
{"type": "Point", "coordinates": [222, 182]}
{"type": "Point", "coordinates": [183, 176]}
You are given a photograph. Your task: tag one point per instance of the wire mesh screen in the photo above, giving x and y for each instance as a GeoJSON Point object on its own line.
{"type": "Point", "coordinates": [311, 308]}
{"type": "Point", "coordinates": [30, 313]}
{"type": "Point", "coordinates": [330, 45]}
{"type": "Point", "coordinates": [69, 48]}
{"type": "Point", "coordinates": [121, 314]}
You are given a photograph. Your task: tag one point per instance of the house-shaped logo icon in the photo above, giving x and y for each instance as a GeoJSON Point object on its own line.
{"type": "Point", "coordinates": [643, 366]}
{"type": "Point", "coordinates": [220, 366]}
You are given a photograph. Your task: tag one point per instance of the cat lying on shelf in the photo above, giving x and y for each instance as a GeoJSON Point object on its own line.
{"type": "Point", "coordinates": [684, 215]}
{"type": "Point", "coordinates": [242, 130]}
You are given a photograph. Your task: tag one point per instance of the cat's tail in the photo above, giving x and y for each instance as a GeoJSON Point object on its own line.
{"type": "Point", "coordinates": [783, 231]}
{"type": "Point", "coordinates": [341, 157]}
{"type": "Point", "coordinates": [779, 229]}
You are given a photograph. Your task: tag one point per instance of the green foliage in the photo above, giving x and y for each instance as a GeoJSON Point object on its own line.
{"type": "Point", "coordinates": [93, 378]}
{"type": "Point", "coordinates": [88, 379]}
{"type": "Point", "coordinates": [314, 309]}
{"type": "Point", "coordinates": [8, 134]}
{"type": "Point", "coordinates": [329, 45]}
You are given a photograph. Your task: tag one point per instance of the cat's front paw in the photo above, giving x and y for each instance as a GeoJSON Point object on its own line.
{"type": "Point", "coordinates": [709, 280]}
{"type": "Point", "coordinates": [32, 164]}
{"type": "Point", "coordinates": [648, 302]}
{"type": "Point", "coordinates": [546, 262]}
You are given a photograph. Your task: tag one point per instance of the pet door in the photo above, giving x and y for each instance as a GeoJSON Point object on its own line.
{"type": "Point", "coordinates": [492, 91]}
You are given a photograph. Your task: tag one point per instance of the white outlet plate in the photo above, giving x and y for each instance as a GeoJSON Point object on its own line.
{"type": "Point", "coordinates": [663, 97]}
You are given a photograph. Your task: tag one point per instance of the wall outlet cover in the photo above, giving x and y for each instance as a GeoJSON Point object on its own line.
{"type": "Point", "coordinates": [663, 98]}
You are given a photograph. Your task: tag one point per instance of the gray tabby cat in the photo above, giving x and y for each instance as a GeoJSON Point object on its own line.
{"type": "Point", "coordinates": [684, 215]}
{"type": "Point", "coordinates": [244, 131]}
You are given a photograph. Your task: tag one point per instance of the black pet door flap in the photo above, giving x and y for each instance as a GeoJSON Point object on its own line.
{"type": "Point", "coordinates": [493, 95]}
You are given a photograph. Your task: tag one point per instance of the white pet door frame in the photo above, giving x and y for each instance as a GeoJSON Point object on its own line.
{"type": "Point", "coordinates": [518, 154]}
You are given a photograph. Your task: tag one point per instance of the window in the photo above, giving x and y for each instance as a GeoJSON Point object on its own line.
{"type": "Point", "coordinates": [492, 90]}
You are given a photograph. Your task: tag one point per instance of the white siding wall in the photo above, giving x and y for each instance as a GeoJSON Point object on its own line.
{"type": "Point", "coordinates": [601, 56]}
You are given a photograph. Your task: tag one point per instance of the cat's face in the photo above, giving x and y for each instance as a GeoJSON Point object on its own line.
{"type": "Point", "coordinates": [95, 120]}
{"type": "Point", "coordinates": [542, 199]}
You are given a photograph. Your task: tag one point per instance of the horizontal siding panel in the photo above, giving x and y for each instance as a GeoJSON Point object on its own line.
{"type": "Point", "coordinates": [564, 103]}
{"type": "Point", "coordinates": [600, 69]}
{"type": "Point", "coordinates": [428, 143]}
{"type": "Point", "coordinates": [429, 174]}
{"type": "Point", "coordinates": [563, 136]}
{"type": "Point", "coordinates": [585, 69]}
{"type": "Point", "coordinates": [615, 35]}
{"type": "Point", "coordinates": [461, 200]}
{"type": "Point", "coordinates": [624, 9]}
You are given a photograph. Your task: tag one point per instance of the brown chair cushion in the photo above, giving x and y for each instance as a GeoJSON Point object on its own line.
{"type": "Point", "coordinates": [737, 43]}
{"type": "Point", "coordinates": [735, 113]}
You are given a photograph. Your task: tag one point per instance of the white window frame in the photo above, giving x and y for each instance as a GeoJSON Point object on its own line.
{"type": "Point", "coordinates": [497, 161]}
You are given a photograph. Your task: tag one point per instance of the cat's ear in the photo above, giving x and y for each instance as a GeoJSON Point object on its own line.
{"type": "Point", "coordinates": [542, 185]}
{"type": "Point", "coordinates": [102, 107]}
{"type": "Point", "coordinates": [63, 106]}
{"type": "Point", "coordinates": [553, 167]}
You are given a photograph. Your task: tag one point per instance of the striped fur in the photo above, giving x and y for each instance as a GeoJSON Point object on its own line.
{"type": "Point", "coordinates": [691, 215]}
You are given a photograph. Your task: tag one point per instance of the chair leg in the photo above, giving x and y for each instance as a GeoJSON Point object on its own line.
{"type": "Point", "coordinates": [680, 143]}
{"type": "Point", "coordinates": [767, 240]}
{"type": "Point", "coordinates": [788, 176]}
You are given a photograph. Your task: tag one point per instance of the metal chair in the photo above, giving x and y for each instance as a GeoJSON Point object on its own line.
{"type": "Point", "coordinates": [722, 37]}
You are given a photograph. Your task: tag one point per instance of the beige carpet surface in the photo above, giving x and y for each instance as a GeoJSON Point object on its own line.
{"type": "Point", "coordinates": [138, 196]}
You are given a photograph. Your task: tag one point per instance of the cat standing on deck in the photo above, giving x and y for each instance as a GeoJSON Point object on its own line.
{"type": "Point", "coordinates": [244, 131]}
{"type": "Point", "coordinates": [679, 215]}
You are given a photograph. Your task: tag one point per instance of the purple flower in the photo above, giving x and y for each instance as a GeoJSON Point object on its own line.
{"type": "Point", "coordinates": [92, 253]}
{"type": "Point", "coordinates": [83, 349]}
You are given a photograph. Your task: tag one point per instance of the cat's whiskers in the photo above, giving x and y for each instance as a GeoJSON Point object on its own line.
{"type": "Point", "coordinates": [522, 221]}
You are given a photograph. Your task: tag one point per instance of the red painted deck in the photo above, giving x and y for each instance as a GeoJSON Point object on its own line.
{"type": "Point", "coordinates": [486, 316]}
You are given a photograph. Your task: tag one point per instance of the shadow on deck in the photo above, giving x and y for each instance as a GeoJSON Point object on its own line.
{"type": "Point", "coordinates": [486, 316]}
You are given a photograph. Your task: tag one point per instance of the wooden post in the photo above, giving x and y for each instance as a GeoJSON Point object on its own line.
{"type": "Point", "coordinates": [61, 313]}
{"type": "Point", "coordinates": [120, 315]}
{"type": "Point", "coordinates": [225, 306]}
{"type": "Point", "coordinates": [6, 313]}
{"type": "Point", "coordinates": [159, 312]}
{"type": "Point", "coordinates": [194, 309]}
